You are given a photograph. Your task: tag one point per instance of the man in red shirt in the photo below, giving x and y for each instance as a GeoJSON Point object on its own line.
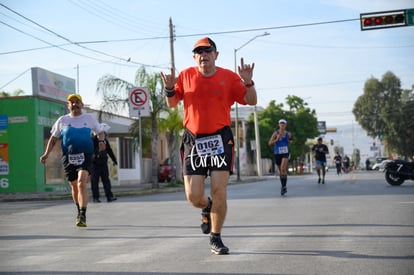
{"type": "Point", "coordinates": [207, 149]}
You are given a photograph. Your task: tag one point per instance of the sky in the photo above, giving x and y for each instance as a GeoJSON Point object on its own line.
{"type": "Point", "coordinates": [305, 53]}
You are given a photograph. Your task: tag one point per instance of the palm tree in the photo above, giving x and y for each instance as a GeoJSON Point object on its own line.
{"type": "Point", "coordinates": [172, 125]}
{"type": "Point", "coordinates": [115, 93]}
{"type": "Point", "coordinates": [15, 93]}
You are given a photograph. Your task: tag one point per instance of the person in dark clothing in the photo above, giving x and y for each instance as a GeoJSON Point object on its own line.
{"type": "Point", "coordinates": [338, 163]}
{"type": "Point", "coordinates": [367, 165]}
{"type": "Point", "coordinates": [320, 151]}
{"type": "Point", "coordinates": [100, 168]}
{"type": "Point", "coordinates": [346, 161]}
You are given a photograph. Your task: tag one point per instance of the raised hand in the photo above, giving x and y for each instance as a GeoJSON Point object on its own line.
{"type": "Point", "coordinates": [246, 71]}
{"type": "Point", "coordinates": [169, 79]}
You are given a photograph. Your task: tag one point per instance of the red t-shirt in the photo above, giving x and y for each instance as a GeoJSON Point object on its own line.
{"type": "Point", "coordinates": [208, 100]}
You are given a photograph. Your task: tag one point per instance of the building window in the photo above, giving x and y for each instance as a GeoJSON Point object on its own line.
{"type": "Point", "coordinates": [53, 166]}
{"type": "Point", "coordinates": [126, 154]}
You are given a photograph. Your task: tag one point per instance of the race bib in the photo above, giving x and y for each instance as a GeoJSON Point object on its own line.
{"type": "Point", "coordinates": [209, 146]}
{"type": "Point", "coordinates": [76, 159]}
{"type": "Point", "coordinates": [283, 150]}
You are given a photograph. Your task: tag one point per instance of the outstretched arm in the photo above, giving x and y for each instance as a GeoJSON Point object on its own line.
{"type": "Point", "coordinates": [49, 147]}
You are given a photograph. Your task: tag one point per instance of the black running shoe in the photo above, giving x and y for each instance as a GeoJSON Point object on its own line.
{"type": "Point", "coordinates": [283, 191]}
{"type": "Point", "coordinates": [319, 180]}
{"type": "Point", "coordinates": [81, 221]}
{"type": "Point", "coordinates": [111, 199]}
{"type": "Point", "coordinates": [205, 218]}
{"type": "Point", "coordinates": [217, 246]}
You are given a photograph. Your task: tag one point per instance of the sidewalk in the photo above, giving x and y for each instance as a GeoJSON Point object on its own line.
{"type": "Point", "coordinates": [118, 190]}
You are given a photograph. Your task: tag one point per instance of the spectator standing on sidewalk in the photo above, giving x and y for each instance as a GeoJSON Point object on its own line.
{"type": "Point", "coordinates": [100, 167]}
{"type": "Point", "coordinates": [207, 149]}
{"type": "Point", "coordinates": [75, 131]}
{"type": "Point", "coordinates": [347, 163]}
{"type": "Point", "coordinates": [367, 164]}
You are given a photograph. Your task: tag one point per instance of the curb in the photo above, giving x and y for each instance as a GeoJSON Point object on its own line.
{"type": "Point", "coordinates": [119, 191]}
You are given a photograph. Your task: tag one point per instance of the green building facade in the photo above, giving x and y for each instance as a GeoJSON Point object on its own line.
{"type": "Point", "coordinates": [25, 124]}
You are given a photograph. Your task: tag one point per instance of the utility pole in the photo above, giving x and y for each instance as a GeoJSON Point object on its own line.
{"type": "Point", "coordinates": [175, 157]}
{"type": "Point", "coordinates": [77, 78]}
{"type": "Point", "coordinates": [172, 44]}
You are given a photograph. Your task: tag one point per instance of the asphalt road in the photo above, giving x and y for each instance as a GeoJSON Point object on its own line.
{"type": "Point", "coordinates": [354, 224]}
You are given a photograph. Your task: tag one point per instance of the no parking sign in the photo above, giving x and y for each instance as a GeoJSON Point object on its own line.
{"type": "Point", "coordinates": [138, 102]}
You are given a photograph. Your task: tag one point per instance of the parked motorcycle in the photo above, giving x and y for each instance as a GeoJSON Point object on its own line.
{"type": "Point", "coordinates": [397, 171]}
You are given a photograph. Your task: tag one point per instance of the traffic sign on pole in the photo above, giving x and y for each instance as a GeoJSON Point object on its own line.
{"type": "Point", "coordinates": [138, 102]}
{"type": "Point", "coordinates": [322, 127]}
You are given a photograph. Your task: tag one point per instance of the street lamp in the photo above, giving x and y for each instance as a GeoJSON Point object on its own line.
{"type": "Point", "coordinates": [237, 107]}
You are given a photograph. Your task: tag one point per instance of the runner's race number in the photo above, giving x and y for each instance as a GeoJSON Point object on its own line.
{"type": "Point", "coordinates": [209, 146]}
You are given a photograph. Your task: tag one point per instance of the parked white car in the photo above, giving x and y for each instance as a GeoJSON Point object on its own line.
{"type": "Point", "coordinates": [380, 166]}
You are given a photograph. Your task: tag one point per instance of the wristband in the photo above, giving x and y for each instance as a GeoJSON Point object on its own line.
{"type": "Point", "coordinates": [249, 85]}
{"type": "Point", "coordinates": [169, 92]}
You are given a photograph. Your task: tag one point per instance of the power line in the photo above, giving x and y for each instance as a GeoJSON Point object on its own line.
{"type": "Point", "coordinates": [14, 79]}
{"type": "Point", "coordinates": [57, 46]}
{"type": "Point", "coordinates": [114, 16]}
{"type": "Point", "coordinates": [80, 43]}
{"type": "Point", "coordinates": [44, 41]}
{"type": "Point", "coordinates": [22, 22]}
{"type": "Point", "coordinates": [71, 42]}
{"type": "Point", "coordinates": [103, 14]}
{"type": "Point", "coordinates": [275, 28]}
{"type": "Point", "coordinates": [32, 49]}
{"type": "Point", "coordinates": [177, 36]}
{"type": "Point", "coordinates": [314, 85]}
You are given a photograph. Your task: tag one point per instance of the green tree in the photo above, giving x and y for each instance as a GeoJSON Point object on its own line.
{"type": "Point", "coordinates": [356, 157]}
{"type": "Point", "coordinates": [302, 124]}
{"type": "Point", "coordinates": [266, 118]}
{"type": "Point", "coordinates": [385, 111]}
{"type": "Point", "coordinates": [115, 93]}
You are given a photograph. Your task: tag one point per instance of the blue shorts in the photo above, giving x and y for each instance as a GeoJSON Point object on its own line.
{"type": "Point", "coordinates": [193, 164]}
{"type": "Point", "coordinates": [320, 163]}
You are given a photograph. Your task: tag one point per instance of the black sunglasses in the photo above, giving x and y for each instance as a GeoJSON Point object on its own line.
{"type": "Point", "coordinates": [201, 50]}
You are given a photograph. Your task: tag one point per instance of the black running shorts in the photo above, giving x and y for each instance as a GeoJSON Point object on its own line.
{"type": "Point", "coordinates": [195, 159]}
{"type": "Point", "coordinates": [279, 157]}
{"type": "Point", "coordinates": [71, 170]}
